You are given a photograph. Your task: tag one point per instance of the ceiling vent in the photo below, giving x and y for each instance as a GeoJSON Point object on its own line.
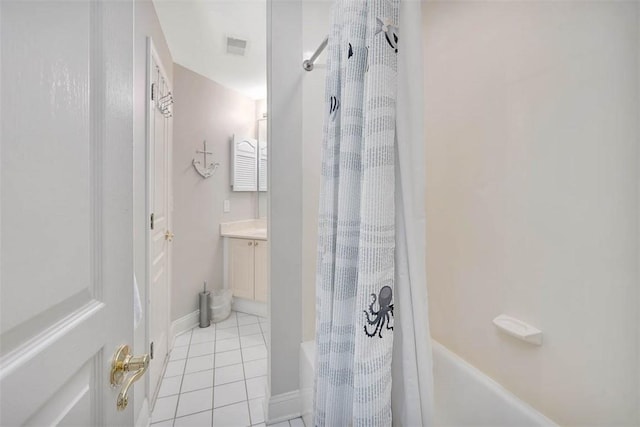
{"type": "Point", "coordinates": [236, 46]}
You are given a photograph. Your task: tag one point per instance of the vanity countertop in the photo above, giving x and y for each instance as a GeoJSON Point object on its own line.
{"type": "Point", "coordinates": [254, 233]}
{"type": "Point", "coordinates": [255, 229]}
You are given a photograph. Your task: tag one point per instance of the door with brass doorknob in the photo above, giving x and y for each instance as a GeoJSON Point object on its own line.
{"type": "Point", "coordinates": [159, 202]}
{"type": "Point", "coordinates": [122, 364]}
{"type": "Point", "coordinates": [66, 300]}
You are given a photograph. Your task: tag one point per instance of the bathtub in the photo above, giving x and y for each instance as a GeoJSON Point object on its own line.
{"type": "Point", "coordinates": [464, 396]}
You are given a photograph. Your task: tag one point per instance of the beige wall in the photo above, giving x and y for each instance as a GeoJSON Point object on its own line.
{"type": "Point", "coordinates": [204, 110]}
{"type": "Point", "coordinates": [532, 193]}
{"type": "Point", "coordinates": [261, 111]}
{"type": "Point", "coordinates": [261, 108]}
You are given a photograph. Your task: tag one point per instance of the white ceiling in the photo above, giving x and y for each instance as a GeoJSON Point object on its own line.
{"type": "Point", "coordinates": [196, 31]}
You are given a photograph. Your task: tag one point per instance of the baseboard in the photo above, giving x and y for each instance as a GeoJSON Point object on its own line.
{"type": "Point", "coordinates": [248, 306]}
{"type": "Point", "coordinates": [183, 324]}
{"type": "Point", "coordinates": [143, 420]}
{"type": "Point", "coordinates": [283, 407]}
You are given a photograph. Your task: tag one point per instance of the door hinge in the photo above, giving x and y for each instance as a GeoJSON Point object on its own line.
{"type": "Point", "coordinates": [153, 91]}
{"type": "Point", "coordinates": [151, 221]}
{"type": "Point", "coordinates": [151, 350]}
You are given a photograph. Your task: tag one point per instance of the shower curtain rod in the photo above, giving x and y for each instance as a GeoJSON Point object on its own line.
{"type": "Point", "coordinates": [307, 64]}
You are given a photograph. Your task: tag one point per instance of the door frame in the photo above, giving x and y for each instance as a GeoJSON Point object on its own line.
{"type": "Point", "coordinates": [151, 55]}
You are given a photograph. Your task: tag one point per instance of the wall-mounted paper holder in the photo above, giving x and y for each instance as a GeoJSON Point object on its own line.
{"type": "Point", "coordinates": [519, 329]}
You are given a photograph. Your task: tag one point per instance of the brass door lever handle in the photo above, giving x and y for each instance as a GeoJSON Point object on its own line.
{"type": "Point", "coordinates": [123, 362]}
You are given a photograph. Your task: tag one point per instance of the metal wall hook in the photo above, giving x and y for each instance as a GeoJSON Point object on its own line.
{"type": "Point", "coordinates": [163, 103]}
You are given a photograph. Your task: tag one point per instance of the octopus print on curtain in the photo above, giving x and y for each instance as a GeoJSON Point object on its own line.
{"type": "Point", "coordinates": [355, 283]}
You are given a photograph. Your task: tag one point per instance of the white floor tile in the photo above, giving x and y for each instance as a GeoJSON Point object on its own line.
{"type": "Point", "coordinates": [201, 363]}
{"type": "Point", "coordinates": [195, 401]}
{"type": "Point", "coordinates": [167, 423]}
{"type": "Point", "coordinates": [296, 422]}
{"type": "Point", "coordinates": [255, 368]}
{"type": "Point", "coordinates": [203, 335]}
{"type": "Point", "coordinates": [197, 381]}
{"type": "Point", "coordinates": [228, 374]}
{"type": "Point", "coordinates": [230, 322]}
{"type": "Point", "coordinates": [259, 425]}
{"type": "Point", "coordinates": [256, 410]}
{"type": "Point", "coordinates": [251, 340]}
{"type": "Point", "coordinates": [256, 387]}
{"type": "Point", "coordinates": [225, 334]}
{"type": "Point", "coordinates": [231, 416]}
{"type": "Point", "coordinates": [227, 358]}
{"type": "Point", "coordinates": [174, 368]}
{"type": "Point", "coordinates": [170, 386]}
{"type": "Point", "coordinates": [247, 320]}
{"type": "Point", "coordinates": [229, 393]}
{"type": "Point", "coordinates": [228, 344]}
{"type": "Point", "coordinates": [241, 314]}
{"type": "Point", "coordinates": [164, 409]}
{"type": "Point", "coordinates": [201, 419]}
{"type": "Point", "coordinates": [179, 353]}
{"type": "Point", "coordinates": [250, 329]}
{"type": "Point", "coordinates": [209, 329]}
{"type": "Point", "coordinates": [201, 349]}
{"type": "Point", "coordinates": [182, 339]}
{"type": "Point", "coordinates": [217, 380]}
{"type": "Point", "coordinates": [254, 353]}
{"type": "Point", "coordinates": [280, 424]}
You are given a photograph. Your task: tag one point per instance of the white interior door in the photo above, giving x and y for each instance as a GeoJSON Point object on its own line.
{"type": "Point", "coordinates": [66, 185]}
{"type": "Point", "coordinates": [159, 191]}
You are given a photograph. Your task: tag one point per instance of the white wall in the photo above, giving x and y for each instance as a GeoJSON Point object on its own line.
{"type": "Point", "coordinates": [638, 199]}
{"type": "Point", "coordinates": [284, 77]}
{"type": "Point", "coordinates": [532, 193]}
{"type": "Point", "coordinates": [316, 21]}
{"type": "Point", "coordinates": [204, 110]}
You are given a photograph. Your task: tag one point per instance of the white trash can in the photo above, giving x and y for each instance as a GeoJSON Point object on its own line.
{"type": "Point", "coordinates": [220, 304]}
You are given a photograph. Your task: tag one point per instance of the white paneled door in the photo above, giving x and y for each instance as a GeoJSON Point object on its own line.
{"type": "Point", "coordinates": [66, 254]}
{"type": "Point", "coordinates": [159, 131]}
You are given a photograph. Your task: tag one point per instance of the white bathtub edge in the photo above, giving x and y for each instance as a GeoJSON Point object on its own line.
{"type": "Point", "coordinates": [484, 401]}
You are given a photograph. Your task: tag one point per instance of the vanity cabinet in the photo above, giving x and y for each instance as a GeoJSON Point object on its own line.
{"type": "Point", "coordinates": [247, 266]}
{"type": "Point", "coordinates": [260, 276]}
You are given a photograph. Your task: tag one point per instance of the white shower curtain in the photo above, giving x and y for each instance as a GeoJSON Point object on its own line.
{"type": "Point", "coordinates": [371, 281]}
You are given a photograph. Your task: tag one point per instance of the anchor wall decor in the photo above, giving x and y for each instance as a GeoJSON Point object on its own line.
{"type": "Point", "coordinates": [203, 168]}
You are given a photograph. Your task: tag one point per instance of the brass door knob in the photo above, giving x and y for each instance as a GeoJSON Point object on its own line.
{"type": "Point", "coordinates": [122, 363]}
{"type": "Point", "coordinates": [168, 236]}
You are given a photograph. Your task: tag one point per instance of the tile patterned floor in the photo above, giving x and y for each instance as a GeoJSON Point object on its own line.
{"type": "Point", "coordinates": [217, 377]}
